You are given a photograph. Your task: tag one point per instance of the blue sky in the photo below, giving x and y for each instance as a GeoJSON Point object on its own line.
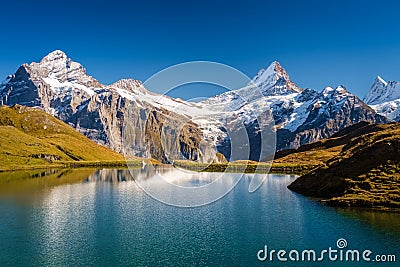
{"type": "Point", "coordinates": [319, 43]}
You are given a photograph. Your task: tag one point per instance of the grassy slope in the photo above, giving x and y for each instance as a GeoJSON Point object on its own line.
{"type": "Point", "coordinates": [319, 152]}
{"type": "Point", "coordinates": [365, 173]}
{"type": "Point", "coordinates": [31, 138]}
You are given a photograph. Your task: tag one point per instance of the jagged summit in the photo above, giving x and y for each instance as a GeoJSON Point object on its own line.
{"type": "Point", "coordinates": [266, 75]}
{"type": "Point", "coordinates": [379, 79]}
{"type": "Point", "coordinates": [59, 69]}
{"type": "Point", "coordinates": [131, 85]}
{"type": "Point", "coordinates": [384, 98]}
{"type": "Point", "coordinates": [376, 92]}
{"type": "Point", "coordinates": [274, 80]}
{"type": "Point", "coordinates": [54, 56]}
{"type": "Point", "coordinates": [329, 90]}
{"type": "Point", "coordinates": [127, 83]}
{"type": "Point", "coordinates": [382, 91]}
{"type": "Point", "coordinates": [57, 61]}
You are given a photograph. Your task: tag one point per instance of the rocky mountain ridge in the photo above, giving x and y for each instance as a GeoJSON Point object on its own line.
{"type": "Point", "coordinates": [128, 118]}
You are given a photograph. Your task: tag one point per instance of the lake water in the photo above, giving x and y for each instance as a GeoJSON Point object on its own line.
{"type": "Point", "coordinates": [102, 218]}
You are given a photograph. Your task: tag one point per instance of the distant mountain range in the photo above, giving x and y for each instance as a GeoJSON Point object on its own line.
{"type": "Point", "coordinates": [62, 88]}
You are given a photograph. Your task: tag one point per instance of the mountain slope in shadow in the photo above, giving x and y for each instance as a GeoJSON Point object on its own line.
{"type": "Point", "coordinates": [365, 173]}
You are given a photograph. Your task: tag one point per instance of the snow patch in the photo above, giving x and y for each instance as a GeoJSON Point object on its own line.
{"type": "Point", "coordinates": [59, 87]}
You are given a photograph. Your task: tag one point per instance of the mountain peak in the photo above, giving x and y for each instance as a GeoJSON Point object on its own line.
{"type": "Point", "coordinates": [272, 67]}
{"type": "Point", "coordinates": [275, 80]}
{"type": "Point", "coordinates": [57, 61]}
{"type": "Point", "coordinates": [130, 84]}
{"type": "Point", "coordinates": [270, 70]}
{"type": "Point", "coordinates": [382, 91]}
{"type": "Point", "coordinates": [384, 97]}
{"type": "Point", "coordinates": [58, 66]}
{"type": "Point", "coordinates": [329, 91]}
{"type": "Point", "coordinates": [379, 79]}
{"type": "Point", "coordinates": [341, 88]}
{"type": "Point", "coordinates": [54, 56]}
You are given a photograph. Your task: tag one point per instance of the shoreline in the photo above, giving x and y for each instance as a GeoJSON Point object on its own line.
{"type": "Point", "coordinates": [279, 168]}
{"type": "Point", "coordinates": [199, 167]}
{"type": "Point", "coordinates": [246, 167]}
{"type": "Point", "coordinates": [78, 164]}
{"type": "Point", "coordinates": [360, 208]}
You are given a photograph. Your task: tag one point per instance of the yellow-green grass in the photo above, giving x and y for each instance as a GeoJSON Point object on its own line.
{"type": "Point", "coordinates": [30, 138]}
{"type": "Point", "coordinates": [312, 157]}
{"type": "Point", "coordinates": [320, 152]}
{"type": "Point", "coordinates": [366, 173]}
{"type": "Point", "coordinates": [379, 188]}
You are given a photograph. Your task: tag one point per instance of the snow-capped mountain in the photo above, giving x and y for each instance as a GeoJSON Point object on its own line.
{"type": "Point", "coordinates": [275, 81]}
{"type": "Point", "coordinates": [167, 128]}
{"type": "Point", "coordinates": [62, 88]}
{"type": "Point", "coordinates": [384, 98]}
{"type": "Point", "coordinates": [300, 115]}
